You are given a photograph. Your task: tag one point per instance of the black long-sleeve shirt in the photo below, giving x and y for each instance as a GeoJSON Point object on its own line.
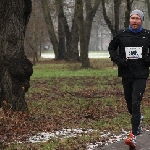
{"type": "Point", "coordinates": [135, 68]}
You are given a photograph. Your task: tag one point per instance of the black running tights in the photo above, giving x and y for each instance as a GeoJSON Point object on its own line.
{"type": "Point", "coordinates": [133, 91]}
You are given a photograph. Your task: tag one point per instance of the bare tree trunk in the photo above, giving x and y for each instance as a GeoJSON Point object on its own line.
{"type": "Point", "coordinates": [90, 14]}
{"type": "Point", "coordinates": [73, 51]}
{"type": "Point", "coordinates": [33, 34]}
{"type": "Point", "coordinates": [61, 30]}
{"type": "Point", "coordinates": [72, 40]}
{"type": "Point", "coordinates": [85, 27]}
{"type": "Point", "coordinates": [68, 40]}
{"type": "Point", "coordinates": [80, 20]}
{"type": "Point", "coordinates": [148, 6]}
{"type": "Point", "coordinates": [50, 27]}
{"type": "Point", "coordinates": [15, 68]}
{"type": "Point", "coordinates": [116, 13]}
{"type": "Point", "coordinates": [127, 12]}
{"type": "Point", "coordinates": [106, 18]}
{"type": "Point", "coordinates": [112, 27]}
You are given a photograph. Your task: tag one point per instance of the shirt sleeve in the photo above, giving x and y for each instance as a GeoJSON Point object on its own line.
{"type": "Point", "coordinates": [113, 45]}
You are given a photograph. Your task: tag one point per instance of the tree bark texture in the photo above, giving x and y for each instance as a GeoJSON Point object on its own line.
{"type": "Point", "coordinates": [73, 52]}
{"type": "Point", "coordinates": [72, 39]}
{"type": "Point", "coordinates": [15, 68]}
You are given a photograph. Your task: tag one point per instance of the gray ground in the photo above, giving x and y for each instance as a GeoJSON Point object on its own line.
{"type": "Point", "coordinates": [143, 143]}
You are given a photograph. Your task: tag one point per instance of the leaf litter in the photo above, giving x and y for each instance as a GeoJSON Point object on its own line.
{"type": "Point", "coordinates": [25, 127]}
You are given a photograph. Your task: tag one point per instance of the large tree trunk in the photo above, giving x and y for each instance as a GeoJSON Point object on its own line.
{"type": "Point", "coordinates": [15, 68]}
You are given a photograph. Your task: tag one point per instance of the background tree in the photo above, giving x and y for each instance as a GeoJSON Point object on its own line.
{"type": "Point", "coordinates": [50, 27]}
{"type": "Point", "coordinates": [80, 21]}
{"type": "Point", "coordinates": [85, 26]}
{"type": "Point", "coordinates": [15, 68]}
{"type": "Point", "coordinates": [100, 34]}
{"type": "Point", "coordinates": [127, 12]}
{"type": "Point", "coordinates": [148, 6]}
{"type": "Point", "coordinates": [36, 38]}
{"type": "Point", "coordinates": [66, 45]}
{"type": "Point", "coordinates": [61, 29]}
{"type": "Point", "coordinates": [72, 36]}
{"type": "Point", "coordinates": [112, 25]}
{"type": "Point", "coordinates": [68, 38]}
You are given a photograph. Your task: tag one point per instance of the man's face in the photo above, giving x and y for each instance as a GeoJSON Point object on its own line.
{"type": "Point", "coordinates": [135, 21]}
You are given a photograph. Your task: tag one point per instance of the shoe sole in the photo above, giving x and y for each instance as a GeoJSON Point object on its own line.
{"type": "Point", "coordinates": [128, 142]}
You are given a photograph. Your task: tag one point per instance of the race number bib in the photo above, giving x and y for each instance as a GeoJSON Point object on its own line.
{"type": "Point", "coordinates": [133, 52]}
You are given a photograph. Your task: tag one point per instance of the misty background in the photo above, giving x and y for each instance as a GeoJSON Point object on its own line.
{"type": "Point", "coordinates": [37, 40]}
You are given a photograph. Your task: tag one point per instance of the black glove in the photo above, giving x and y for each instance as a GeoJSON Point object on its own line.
{"type": "Point", "coordinates": [120, 62]}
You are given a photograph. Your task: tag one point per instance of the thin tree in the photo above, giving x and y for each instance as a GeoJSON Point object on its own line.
{"type": "Point", "coordinates": [15, 68]}
{"type": "Point", "coordinates": [34, 36]}
{"type": "Point", "coordinates": [80, 21]}
{"type": "Point", "coordinates": [148, 6]}
{"type": "Point", "coordinates": [61, 29]}
{"type": "Point", "coordinates": [50, 27]}
{"type": "Point", "coordinates": [127, 12]}
{"type": "Point", "coordinates": [112, 25]}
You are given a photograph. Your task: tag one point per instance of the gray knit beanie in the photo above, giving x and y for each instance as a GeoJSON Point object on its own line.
{"type": "Point", "coordinates": [139, 13]}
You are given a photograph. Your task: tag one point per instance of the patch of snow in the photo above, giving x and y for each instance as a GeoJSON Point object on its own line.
{"type": "Point", "coordinates": [66, 133]}
{"type": "Point", "coordinates": [110, 138]}
{"type": "Point", "coordinates": [91, 55]}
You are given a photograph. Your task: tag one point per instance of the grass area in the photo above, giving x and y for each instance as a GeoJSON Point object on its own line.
{"type": "Point", "coordinates": [62, 95]}
{"type": "Point", "coordinates": [64, 69]}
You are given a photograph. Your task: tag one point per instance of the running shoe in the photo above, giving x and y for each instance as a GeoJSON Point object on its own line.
{"type": "Point", "coordinates": [131, 140]}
